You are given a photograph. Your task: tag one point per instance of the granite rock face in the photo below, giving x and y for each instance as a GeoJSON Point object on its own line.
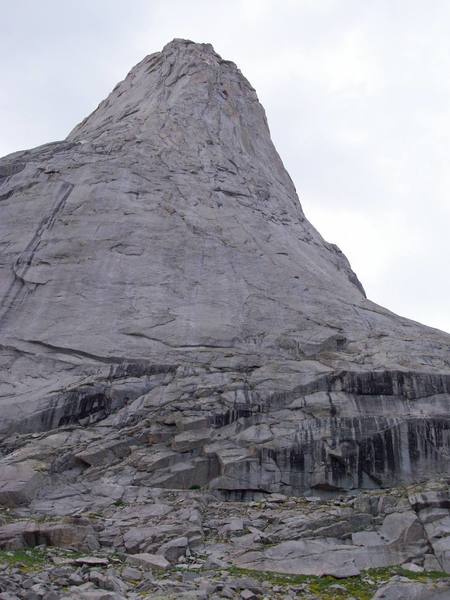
{"type": "Point", "coordinates": [170, 319]}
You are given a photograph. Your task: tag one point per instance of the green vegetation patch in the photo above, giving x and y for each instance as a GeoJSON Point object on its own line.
{"type": "Point", "coordinates": [120, 503]}
{"type": "Point", "coordinates": [27, 559]}
{"type": "Point", "coordinates": [361, 587]}
{"type": "Point", "coordinates": [36, 559]}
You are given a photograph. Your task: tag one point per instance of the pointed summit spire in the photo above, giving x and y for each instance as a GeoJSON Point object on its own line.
{"type": "Point", "coordinates": [184, 85]}
{"type": "Point", "coordinates": [189, 103]}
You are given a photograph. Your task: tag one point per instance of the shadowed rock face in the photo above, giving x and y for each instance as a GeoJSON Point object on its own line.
{"type": "Point", "coordinates": [162, 290]}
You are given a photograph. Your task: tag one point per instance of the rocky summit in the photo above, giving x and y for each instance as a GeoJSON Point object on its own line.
{"type": "Point", "coordinates": [194, 389]}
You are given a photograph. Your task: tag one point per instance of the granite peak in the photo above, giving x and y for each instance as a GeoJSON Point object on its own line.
{"type": "Point", "coordinates": [170, 319]}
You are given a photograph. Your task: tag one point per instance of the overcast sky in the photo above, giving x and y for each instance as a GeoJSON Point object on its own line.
{"type": "Point", "coordinates": [357, 94]}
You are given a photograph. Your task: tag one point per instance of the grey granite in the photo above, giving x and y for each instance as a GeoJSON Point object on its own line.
{"type": "Point", "coordinates": [167, 309]}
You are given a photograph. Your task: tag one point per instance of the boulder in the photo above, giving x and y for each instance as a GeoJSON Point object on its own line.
{"type": "Point", "coordinates": [399, 588]}
{"type": "Point", "coordinates": [68, 533]}
{"type": "Point", "coordinates": [20, 482]}
{"type": "Point", "coordinates": [148, 561]}
{"type": "Point", "coordinates": [174, 549]}
{"type": "Point", "coordinates": [305, 557]}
